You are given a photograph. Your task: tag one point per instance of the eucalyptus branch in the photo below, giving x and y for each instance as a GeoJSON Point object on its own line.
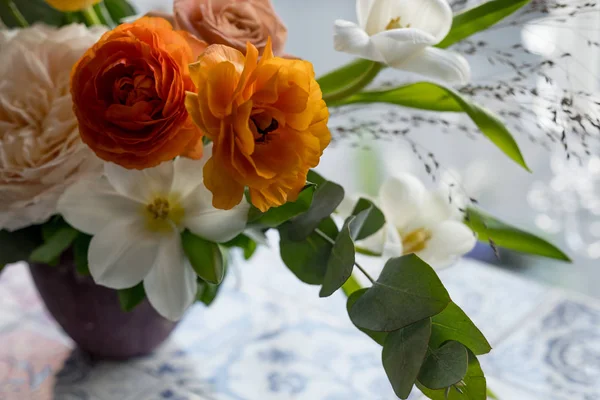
{"type": "Point", "coordinates": [332, 242]}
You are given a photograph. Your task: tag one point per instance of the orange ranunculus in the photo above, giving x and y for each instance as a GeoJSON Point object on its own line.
{"type": "Point", "coordinates": [129, 93]}
{"type": "Point", "coordinates": [267, 120]}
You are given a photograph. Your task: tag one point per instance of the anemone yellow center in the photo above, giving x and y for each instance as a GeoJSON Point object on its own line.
{"type": "Point", "coordinates": [395, 24]}
{"type": "Point", "coordinates": [163, 213]}
{"type": "Point", "coordinates": [415, 241]}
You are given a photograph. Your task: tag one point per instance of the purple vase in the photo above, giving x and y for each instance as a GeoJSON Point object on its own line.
{"type": "Point", "coordinates": [91, 314]}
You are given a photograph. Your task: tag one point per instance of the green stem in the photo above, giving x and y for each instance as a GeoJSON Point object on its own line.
{"type": "Point", "coordinates": [351, 286]}
{"type": "Point", "coordinates": [16, 14]}
{"type": "Point", "coordinates": [332, 242]}
{"type": "Point", "coordinates": [104, 15]}
{"type": "Point", "coordinates": [354, 87]}
{"type": "Point", "coordinates": [90, 16]}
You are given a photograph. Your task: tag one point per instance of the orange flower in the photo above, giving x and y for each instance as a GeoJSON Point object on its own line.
{"type": "Point", "coordinates": [267, 120]}
{"type": "Point", "coordinates": [129, 93]}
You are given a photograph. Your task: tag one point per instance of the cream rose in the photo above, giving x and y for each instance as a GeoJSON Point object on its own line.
{"type": "Point", "coordinates": [232, 22]}
{"type": "Point", "coordinates": [40, 150]}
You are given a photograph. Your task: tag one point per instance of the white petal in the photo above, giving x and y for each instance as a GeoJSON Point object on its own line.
{"type": "Point", "coordinates": [401, 199]}
{"type": "Point", "coordinates": [432, 16]}
{"type": "Point", "coordinates": [393, 243]}
{"type": "Point", "coordinates": [396, 46]}
{"type": "Point", "coordinates": [210, 223]}
{"type": "Point", "coordinates": [449, 240]}
{"type": "Point", "coordinates": [171, 283]}
{"type": "Point", "coordinates": [121, 254]}
{"type": "Point", "coordinates": [188, 173]}
{"type": "Point", "coordinates": [363, 8]}
{"type": "Point", "coordinates": [141, 185]}
{"type": "Point", "coordinates": [374, 243]}
{"type": "Point", "coordinates": [90, 204]}
{"type": "Point", "coordinates": [350, 38]}
{"type": "Point", "coordinates": [439, 64]}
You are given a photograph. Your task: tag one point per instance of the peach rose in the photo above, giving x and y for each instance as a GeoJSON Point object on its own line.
{"type": "Point", "coordinates": [129, 93]}
{"type": "Point", "coordinates": [232, 22]}
{"type": "Point", "coordinates": [40, 150]}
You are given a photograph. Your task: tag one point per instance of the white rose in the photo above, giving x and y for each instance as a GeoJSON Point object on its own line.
{"type": "Point", "coordinates": [40, 150]}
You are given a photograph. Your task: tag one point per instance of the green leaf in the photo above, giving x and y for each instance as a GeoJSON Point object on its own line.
{"type": "Point", "coordinates": [308, 258]}
{"type": "Point", "coordinates": [408, 290]}
{"type": "Point", "coordinates": [378, 337]}
{"type": "Point", "coordinates": [132, 297]}
{"type": "Point", "coordinates": [17, 246]}
{"type": "Point", "coordinates": [325, 200]}
{"type": "Point", "coordinates": [344, 76]}
{"type": "Point", "coordinates": [444, 366]}
{"type": "Point", "coordinates": [278, 215]}
{"type": "Point", "coordinates": [243, 242]}
{"type": "Point", "coordinates": [205, 257]}
{"type": "Point", "coordinates": [474, 387]}
{"type": "Point", "coordinates": [119, 9]}
{"type": "Point", "coordinates": [340, 262]}
{"type": "Point", "coordinates": [434, 97]}
{"type": "Point", "coordinates": [479, 18]}
{"type": "Point", "coordinates": [314, 177]}
{"type": "Point", "coordinates": [492, 395]}
{"type": "Point", "coordinates": [207, 292]}
{"type": "Point", "coordinates": [54, 245]}
{"type": "Point", "coordinates": [81, 246]}
{"type": "Point", "coordinates": [490, 229]}
{"type": "Point", "coordinates": [33, 11]}
{"type": "Point", "coordinates": [369, 219]}
{"type": "Point", "coordinates": [403, 354]}
{"type": "Point", "coordinates": [454, 324]}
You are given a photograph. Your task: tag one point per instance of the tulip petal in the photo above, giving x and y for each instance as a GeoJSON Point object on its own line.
{"type": "Point", "coordinates": [121, 254]}
{"type": "Point", "coordinates": [140, 185]}
{"type": "Point", "coordinates": [449, 240]}
{"type": "Point", "coordinates": [188, 173]}
{"type": "Point", "coordinates": [91, 204]}
{"type": "Point", "coordinates": [439, 64]}
{"type": "Point", "coordinates": [401, 199]}
{"type": "Point", "coordinates": [363, 7]}
{"type": "Point", "coordinates": [431, 16]}
{"type": "Point", "coordinates": [210, 223]}
{"type": "Point", "coordinates": [350, 38]}
{"type": "Point", "coordinates": [171, 283]}
{"type": "Point", "coordinates": [396, 46]}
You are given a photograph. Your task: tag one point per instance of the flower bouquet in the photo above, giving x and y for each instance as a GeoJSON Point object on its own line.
{"type": "Point", "coordinates": [137, 151]}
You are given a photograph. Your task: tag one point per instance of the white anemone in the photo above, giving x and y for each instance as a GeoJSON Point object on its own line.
{"type": "Point", "coordinates": [418, 221]}
{"type": "Point", "coordinates": [401, 34]}
{"type": "Point", "coordinates": [136, 218]}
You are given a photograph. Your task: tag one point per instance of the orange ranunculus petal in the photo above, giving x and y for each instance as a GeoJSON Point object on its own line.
{"type": "Point", "coordinates": [221, 86]}
{"type": "Point", "coordinates": [227, 193]}
{"type": "Point", "coordinates": [213, 55]}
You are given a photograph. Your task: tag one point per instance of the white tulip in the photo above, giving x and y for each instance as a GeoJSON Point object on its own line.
{"type": "Point", "coordinates": [417, 221]}
{"type": "Point", "coordinates": [400, 34]}
{"type": "Point", "coordinates": [136, 218]}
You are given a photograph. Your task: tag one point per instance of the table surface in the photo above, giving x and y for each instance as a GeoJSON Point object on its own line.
{"type": "Point", "coordinates": [268, 336]}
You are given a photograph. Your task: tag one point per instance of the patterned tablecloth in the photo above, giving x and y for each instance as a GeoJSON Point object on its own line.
{"type": "Point", "coordinates": [269, 336]}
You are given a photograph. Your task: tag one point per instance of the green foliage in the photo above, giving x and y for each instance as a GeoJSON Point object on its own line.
{"type": "Point", "coordinates": [444, 366]}
{"type": "Point", "coordinates": [474, 387]}
{"type": "Point", "coordinates": [369, 219]}
{"type": "Point", "coordinates": [347, 75]}
{"type": "Point", "coordinates": [81, 245]}
{"type": "Point", "coordinates": [340, 262]}
{"type": "Point", "coordinates": [132, 297]}
{"type": "Point", "coordinates": [378, 337]}
{"type": "Point", "coordinates": [308, 258]}
{"type": "Point", "coordinates": [490, 229]}
{"type": "Point", "coordinates": [17, 246]}
{"type": "Point", "coordinates": [403, 353]}
{"type": "Point", "coordinates": [454, 324]}
{"type": "Point", "coordinates": [58, 237]}
{"type": "Point", "coordinates": [207, 292]}
{"type": "Point", "coordinates": [278, 215]}
{"type": "Point", "coordinates": [408, 290]}
{"type": "Point", "coordinates": [119, 9]}
{"type": "Point", "coordinates": [243, 242]}
{"type": "Point", "coordinates": [479, 18]}
{"type": "Point", "coordinates": [435, 97]}
{"type": "Point", "coordinates": [33, 11]}
{"type": "Point", "coordinates": [325, 200]}
{"type": "Point", "coordinates": [204, 256]}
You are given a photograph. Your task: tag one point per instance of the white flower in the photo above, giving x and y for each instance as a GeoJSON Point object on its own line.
{"type": "Point", "coordinates": [40, 150]}
{"type": "Point", "coordinates": [418, 221]}
{"type": "Point", "coordinates": [401, 33]}
{"type": "Point", "coordinates": [136, 218]}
